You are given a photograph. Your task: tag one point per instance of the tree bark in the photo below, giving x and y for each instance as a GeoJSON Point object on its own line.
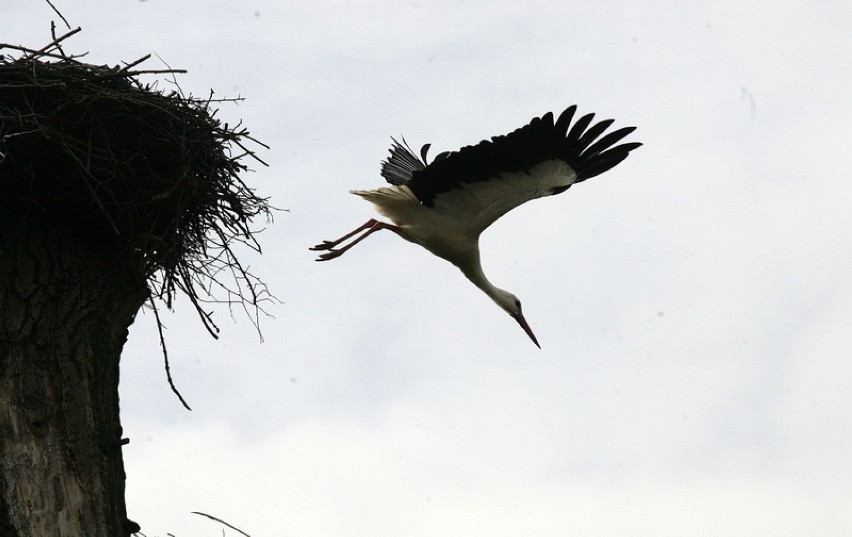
{"type": "Point", "coordinates": [67, 298]}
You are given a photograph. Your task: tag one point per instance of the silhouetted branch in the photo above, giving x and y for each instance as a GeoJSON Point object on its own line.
{"type": "Point", "coordinates": [219, 520]}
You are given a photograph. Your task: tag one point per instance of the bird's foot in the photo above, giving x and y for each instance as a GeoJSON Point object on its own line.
{"type": "Point", "coordinates": [324, 245]}
{"type": "Point", "coordinates": [331, 254]}
{"type": "Point", "coordinates": [328, 256]}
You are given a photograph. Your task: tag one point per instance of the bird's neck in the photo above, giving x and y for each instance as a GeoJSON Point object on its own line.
{"type": "Point", "coordinates": [472, 269]}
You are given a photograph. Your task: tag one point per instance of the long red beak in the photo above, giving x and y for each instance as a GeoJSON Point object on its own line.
{"type": "Point", "coordinates": [523, 322]}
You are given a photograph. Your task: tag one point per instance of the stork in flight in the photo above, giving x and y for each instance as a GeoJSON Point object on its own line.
{"type": "Point", "coordinates": [445, 205]}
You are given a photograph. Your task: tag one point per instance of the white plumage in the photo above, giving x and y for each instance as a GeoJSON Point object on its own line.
{"type": "Point", "coordinates": [445, 205]}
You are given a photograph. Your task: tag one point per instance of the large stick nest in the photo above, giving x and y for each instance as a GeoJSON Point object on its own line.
{"type": "Point", "coordinates": [92, 148]}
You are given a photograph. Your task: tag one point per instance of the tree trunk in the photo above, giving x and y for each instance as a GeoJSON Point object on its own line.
{"type": "Point", "coordinates": [67, 298]}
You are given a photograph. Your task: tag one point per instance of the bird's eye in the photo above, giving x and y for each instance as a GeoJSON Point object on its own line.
{"type": "Point", "coordinates": [518, 304]}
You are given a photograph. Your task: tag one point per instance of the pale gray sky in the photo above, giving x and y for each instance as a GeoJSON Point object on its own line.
{"type": "Point", "coordinates": [693, 304]}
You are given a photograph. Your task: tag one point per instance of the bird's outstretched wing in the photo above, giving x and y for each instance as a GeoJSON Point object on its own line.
{"type": "Point", "coordinates": [482, 182]}
{"type": "Point", "coordinates": [521, 150]}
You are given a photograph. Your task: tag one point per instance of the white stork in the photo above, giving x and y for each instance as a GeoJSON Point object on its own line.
{"type": "Point", "coordinates": [445, 205]}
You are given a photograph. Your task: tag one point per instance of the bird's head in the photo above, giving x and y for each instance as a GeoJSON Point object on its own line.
{"type": "Point", "coordinates": [512, 305]}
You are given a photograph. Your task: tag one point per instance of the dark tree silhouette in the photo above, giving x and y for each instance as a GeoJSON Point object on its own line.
{"type": "Point", "coordinates": [112, 194]}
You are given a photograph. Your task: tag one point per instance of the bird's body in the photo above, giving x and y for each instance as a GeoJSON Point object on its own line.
{"type": "Point", "coordinates": [444, 206]}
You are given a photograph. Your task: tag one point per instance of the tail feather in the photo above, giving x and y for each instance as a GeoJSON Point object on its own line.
{"type": "Point", "coordinates": [391, 201]}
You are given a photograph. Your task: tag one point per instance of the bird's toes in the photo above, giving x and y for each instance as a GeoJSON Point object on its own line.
{"type": "Point", "coordinates": [329, 255]}
{"type": "Point", "coordinates": [324, 245]}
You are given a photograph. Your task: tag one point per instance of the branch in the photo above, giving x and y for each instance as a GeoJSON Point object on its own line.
{"type": "Point", "coordinates": [166, 354]}
{"type": "Point", "coordinates": [211, 517]}
{"type": "Point", "coordinates": [58, 13]}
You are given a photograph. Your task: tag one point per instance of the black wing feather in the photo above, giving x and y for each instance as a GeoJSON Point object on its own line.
{"type": "Point", "coordinates": [424, 151]}
{"type": "Point", "coordinates": [579, 128]}
{"type": "Point", "coordinates": [520, 150]}
{"type": "Point", "coordinates": [591, 135]}
{"type": "Point", "coordinates": [608, 141]}
{"type": "Point", "coordinates": [564, 120]}
{"type": "Point", "coordinates": [606, 161]}
{"type": "Point", "coordinates": [402, 163]}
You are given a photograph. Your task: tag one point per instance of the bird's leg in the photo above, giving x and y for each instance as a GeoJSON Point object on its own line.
{"type": "Point", "coordinates": [328, 245]}
{"type": "Point", "coordinates": [371, 226]}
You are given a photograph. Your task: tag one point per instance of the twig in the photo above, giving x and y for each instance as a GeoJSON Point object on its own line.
{"type": "Point", "coordinates": [123, 73]}
{"type": "Point", "coordinates": [211, 517]}
{"type": "Point", "coordinates": [166, 354]}
{"type": "Point", "coordinates": [58, 13]}
{"type": "Point", "coordinates": [62, 37]}
{"type": "Point", "coordinates": [135, 63]}
{"type": "Point", "coordinates": [44, 50]}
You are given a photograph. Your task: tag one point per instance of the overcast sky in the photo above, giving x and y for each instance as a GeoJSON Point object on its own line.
{"type": "Point", "coordinates": [693, 304]}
